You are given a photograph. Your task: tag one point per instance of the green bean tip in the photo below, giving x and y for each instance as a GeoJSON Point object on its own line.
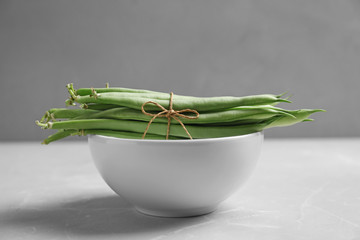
{"type": "Point", "coordinates": [284, 100]}
{"type": "Point", "coordinates": [282, 94]}
{"type": "Point", "coordinates": [313, 110]}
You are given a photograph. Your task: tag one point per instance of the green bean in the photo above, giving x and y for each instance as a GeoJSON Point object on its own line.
{"type": "Point", "coordinates": [110, 133]}
{"type": "Point", "coordinates": [89, 91]}
{"type": "Point", "coordinates": [158, 128]}
{"type": "Point", "coordinates": [124, 92]}
{"type": "Point", "coordinates": [257, 119]}
{"type": "Point", "coordinates": [232, 115]}
{"type": "Point", "coordinates": [122, 134]}
{"type": "Point", "coordinates": [98, 106]}
{"type": "Point", "coordinates": [62, 133]}
{"type": "Point", "coordinates": [199, 104]}
{"type": "Point", "coordinates": [56, 113]}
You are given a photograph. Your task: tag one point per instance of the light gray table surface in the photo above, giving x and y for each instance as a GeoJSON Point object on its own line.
{"type": "Point", "coordinates": [301, 189]}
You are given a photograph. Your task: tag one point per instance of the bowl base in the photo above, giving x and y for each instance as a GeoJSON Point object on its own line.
{"type": "Point", "coordinates": [177, 213]}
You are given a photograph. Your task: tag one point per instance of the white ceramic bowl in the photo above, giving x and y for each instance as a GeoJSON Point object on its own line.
{"type": "Point", "coordinates": [176, 178]}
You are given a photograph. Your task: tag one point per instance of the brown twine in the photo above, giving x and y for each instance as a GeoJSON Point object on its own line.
{"type": "Point", "coordinates": [169, 113]}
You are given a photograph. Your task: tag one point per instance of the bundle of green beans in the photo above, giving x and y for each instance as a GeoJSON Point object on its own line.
{"type": "Point", "coordinates": [116, 112]}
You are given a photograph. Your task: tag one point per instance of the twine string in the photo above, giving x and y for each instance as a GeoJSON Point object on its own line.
{"type": "Point", "coordinates": [169, 113]}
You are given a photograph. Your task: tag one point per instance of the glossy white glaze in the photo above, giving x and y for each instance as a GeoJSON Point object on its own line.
{"type": "Point", "coordinates": [176, 178]}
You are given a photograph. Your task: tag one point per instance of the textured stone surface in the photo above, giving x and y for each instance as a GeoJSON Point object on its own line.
{"type": "Point", "coordinates": [301, 189]}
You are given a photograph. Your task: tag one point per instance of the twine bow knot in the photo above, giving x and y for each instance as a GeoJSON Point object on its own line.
{"type": "Point", "coordinates": [169, 113]}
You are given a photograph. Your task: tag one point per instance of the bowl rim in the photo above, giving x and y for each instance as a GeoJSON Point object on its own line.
{"type": "Point", "coordinates": [200, 140]}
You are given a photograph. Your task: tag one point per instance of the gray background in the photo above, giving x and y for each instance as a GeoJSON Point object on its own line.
{"type": "Point", "coordinates": [204, 48]}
